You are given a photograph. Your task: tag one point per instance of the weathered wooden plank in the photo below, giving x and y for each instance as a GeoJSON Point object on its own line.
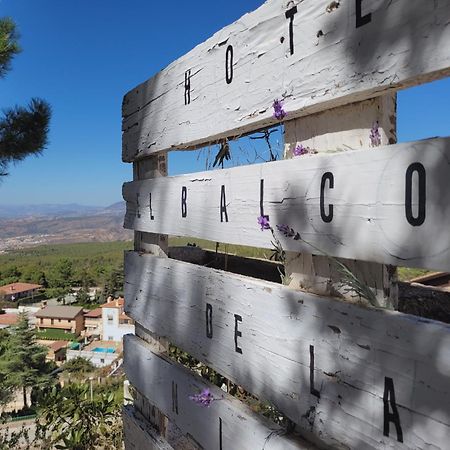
{"type": "Point", "coordinates": [308, 52]}
{"type": "Point", "coordinates": [390, 205]}
{"type": "Point", "coordinates": [334, 130]}
{"type": "Point", "coordinates": [138, 434]}
{"type": "Point", "coordinates": [346, 128]}
{"type": "Point", "coordinates": [318, 274]}
{"type": "Point", "coordinates": [152, 167]}
{"type": "Point", "coordinates": [328, 365]}
{"type": "Point", "coordinates": [227, 423]}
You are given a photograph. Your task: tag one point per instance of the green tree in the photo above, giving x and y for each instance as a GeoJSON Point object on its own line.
{"type": "Point", "coordinates": [114, 283]}
{"type": "Point", "coordinates": [70, 418]}
{"type": "Point", "coordinates": [78, 365]}
{"type": "Point", "coordinates": [10, 274]}
{"type": "Point", "coordinates": [83, 277]}
{"type": "Point", "coordinates": [5, 391]}
{"type": "Point", "coordinates": [23, 130]}
{"type": "Point", "coordinates": [9, 45]}
{"type": "Point", "coordinates": [23, 363]}
{"type": "Point", "coordinates": [42, 280]}
{"type": "Point", "coordinates": [58, 293]}
{"type": "Point", "coordinates": [83, 297]}
{"type": "Point", "coordinates": [60, 275]}
{"type": "Point", "coordinates": [33, 274]}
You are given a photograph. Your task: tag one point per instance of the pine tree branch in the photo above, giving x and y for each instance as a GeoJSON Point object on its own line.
{"type": "Point", "coordinates": [23, 132]}
{"type": "Point", "coordinates": [9, 45]}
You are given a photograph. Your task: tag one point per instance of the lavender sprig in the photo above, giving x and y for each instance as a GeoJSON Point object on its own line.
{"type": "Point", "coordinates": [203, 399]}
{"type": "Point", "coordinates": [375, 136]}
{"type": "Point", "coordinates": [278, 253]}
{"type": "Point", "coordinates": [289, 232]}
{"type": "Point", "coordinates": [263, 221]}
{"type": "Point", "coordinates": [350, 282]}
{"type": "Point", "coordinates": [301, 150]}
{"type": "Point", "coordinates": [278, 112]}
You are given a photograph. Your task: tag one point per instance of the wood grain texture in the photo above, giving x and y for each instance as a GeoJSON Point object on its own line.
{"type": "Point", "coordinates": [320, 275]}
{"type": "Point", "coordinates": [154, 166]}
{"type": "Point", "coordinates": [337, 130]}
{"type": "Point", "coordinates": [333, 63]}
{"type": "Point", "coordinates": [355, 351]}
{"type": "Point", "coordinates": [158, 378]}
{"type": "Point", "coordinates": [138, 434]}
{"type": "Point", "coordinates": [345, 128]}
{"type": "Point", "coordinates": [369, 220]}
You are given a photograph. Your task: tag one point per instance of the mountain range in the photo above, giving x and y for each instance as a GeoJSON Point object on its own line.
{"type": "Point", "coordinates": [52, 210]}
{"type": "Point", "coordinates": [31, 225]}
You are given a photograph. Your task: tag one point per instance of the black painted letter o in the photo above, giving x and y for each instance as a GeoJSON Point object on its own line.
{"type": "Point", "coordinates": [229, 64]}
{"type": "Point", "coordinates": [421, 214]}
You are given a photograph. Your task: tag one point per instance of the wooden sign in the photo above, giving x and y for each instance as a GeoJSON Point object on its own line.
{"type": "Point", "coordinates": [389, 205]}
{"type": "Point", "coordinates": [313, 54]}
{"type": "Point", "coordinates": [357, 378]}
{"type": "Point", "coordinates": [349, 377]}
{"type": "Point", "coordinates": [138, 434]}
{"type": "Point", "coordinates": [225, 424]}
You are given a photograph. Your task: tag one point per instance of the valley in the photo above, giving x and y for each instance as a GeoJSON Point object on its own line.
{"type": "Point", "coordinates": [53, 225]}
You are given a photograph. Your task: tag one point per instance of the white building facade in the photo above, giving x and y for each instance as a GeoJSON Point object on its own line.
{"type": "Point", "coordinates": [98, 359]}
{"type": "Point", "coordinates": [115, 323]}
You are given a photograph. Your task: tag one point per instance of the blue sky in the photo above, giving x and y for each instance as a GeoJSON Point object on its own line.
{"type": "Point", "coordinates": [83, 56]}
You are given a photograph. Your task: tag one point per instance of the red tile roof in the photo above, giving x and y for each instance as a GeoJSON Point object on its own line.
{"type": "Point", "coordinates": [114, 303]}
{"type": "Point", "coordinates": [17, 288]}
{"type": "Point", "coordinates": [58, 345]}
{"type": "Point", "coordinates": [8, 319]}
{"type": "Point", "coordinates": [94, 314]}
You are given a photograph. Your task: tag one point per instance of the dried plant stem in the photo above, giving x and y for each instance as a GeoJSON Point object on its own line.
{"type": "Point", "coordinates": [349, 281]}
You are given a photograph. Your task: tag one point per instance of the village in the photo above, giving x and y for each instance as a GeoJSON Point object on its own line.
{"type": "Point", "coordinates": [71, 331]}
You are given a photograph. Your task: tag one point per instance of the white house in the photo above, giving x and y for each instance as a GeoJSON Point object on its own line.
{"type": "Point", "coordinates": [99, 357]}
{"type": "Point", "coordinates": [115, 322]}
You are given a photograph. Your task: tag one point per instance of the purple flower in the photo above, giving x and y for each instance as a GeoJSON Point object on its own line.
{"type": "Point", "coordinates": [375, 136]}
{"type": "Point", "coordinates": [283, 228]}
{"type": "Point", "coordinates": [204, 399]}
{"type": "Point", "coordinates": [289, 232]}
{"type": "Point", "coordinates": [264, 222]}
{"type": "Point", "coordinates": [300, 150]}
{"type": "Point", "coordinates": [278, 112]}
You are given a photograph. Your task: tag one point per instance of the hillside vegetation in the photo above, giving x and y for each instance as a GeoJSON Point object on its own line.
{"type": "Point", "coordinates": [60, 267]}
{"type": "Point", "coordinates": [95, 263]}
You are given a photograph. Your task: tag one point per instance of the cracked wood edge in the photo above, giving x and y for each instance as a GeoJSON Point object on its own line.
{"type": "Point", "coordinates": [369, 216]}
{"type": "Point", "coordinates": [153, 167]}
{"type": "Point", "coordinates": [355, 350]}
{"type": "Point", "coordinates": [138, 434]}
{"type": "Point", "coordinates": [404, 44]}
{"type": "Point", "coordinates": [169, 385]}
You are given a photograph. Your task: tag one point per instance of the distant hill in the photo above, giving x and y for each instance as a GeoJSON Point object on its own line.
{"type": "Point", "coordinates": [115, 208]}
{"type": "Point", "coordinates": [45, 210]}
{"type": "Point", "coordinates": [29, 225]}
{"type": "Point", "coordinates": [52, 210]}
